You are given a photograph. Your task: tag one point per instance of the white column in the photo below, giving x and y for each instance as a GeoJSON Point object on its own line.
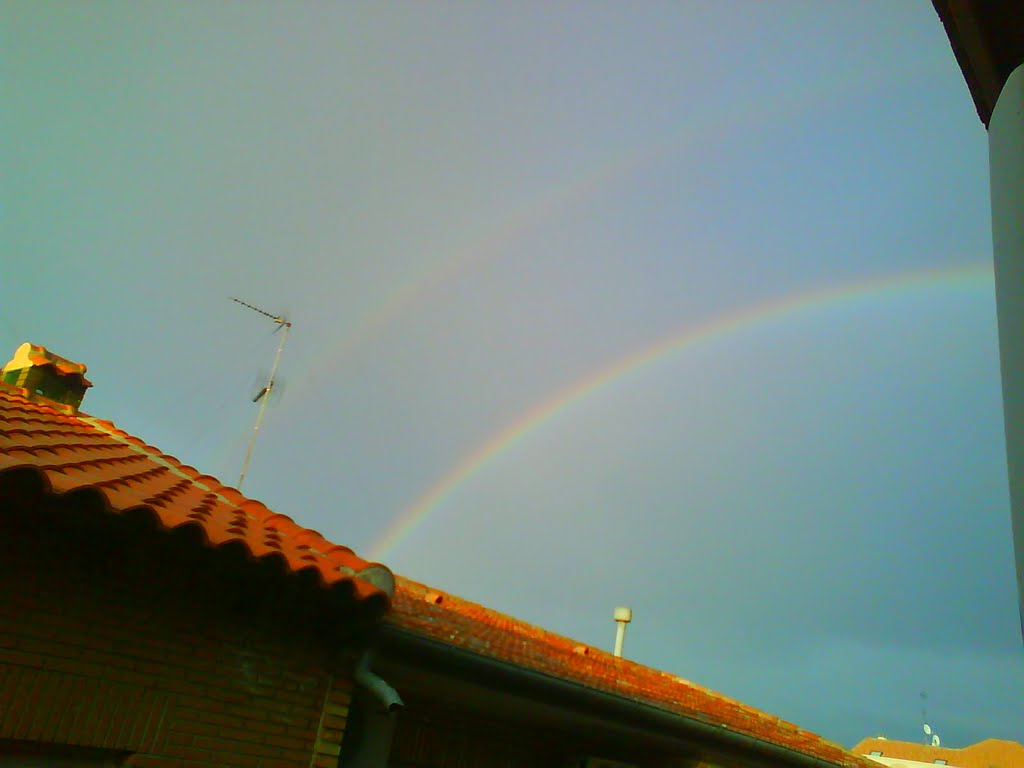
{"type": "Point", "coordinates": [1006, 167]}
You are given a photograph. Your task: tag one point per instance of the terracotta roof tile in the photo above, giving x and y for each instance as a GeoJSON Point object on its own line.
{"type": "Point", "coordinates": [463, 624]}
{"type": "Point", "coordinates": [990, 753]}
{"type": "Point", "coordinates": [72, 452]}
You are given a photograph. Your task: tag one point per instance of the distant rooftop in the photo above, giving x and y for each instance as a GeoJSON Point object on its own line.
{"type": "Point", "coordinates": [990, 753]}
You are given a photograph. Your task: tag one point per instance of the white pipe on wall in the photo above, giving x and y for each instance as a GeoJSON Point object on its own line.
{"type": "Point", "coordinates": [1006, 169]}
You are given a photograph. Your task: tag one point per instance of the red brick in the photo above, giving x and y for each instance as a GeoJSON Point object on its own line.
{"type": "Point", "coordinates": [334, 721]}
{"type": "Point", "coordinates": [231, 746]}
{"type": "Point", "coordinates": [289, 742]}
{"type": "Point", "coordinates": [131, 663]}
{"type": "Point", "coordinates": [20, 658]}
{"type": "Point", "coordinates": [152, 761]}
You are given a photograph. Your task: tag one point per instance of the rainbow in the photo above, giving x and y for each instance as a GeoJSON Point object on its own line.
{"type": "Point", "coordinates": [712, 329]}
{"type": "Point", "coordinates": [573, 193]}
{"type": "Point", "coordinates": [485, 248]}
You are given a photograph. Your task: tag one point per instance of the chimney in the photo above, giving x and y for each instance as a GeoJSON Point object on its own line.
{"type": "Point", "coordinates": [46, 376]}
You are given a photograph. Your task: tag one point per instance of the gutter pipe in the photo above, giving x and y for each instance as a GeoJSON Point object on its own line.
{"type": "Point", "coordinates": [375, 684]}
{"type": "Point", "coordinates": [373, 739]}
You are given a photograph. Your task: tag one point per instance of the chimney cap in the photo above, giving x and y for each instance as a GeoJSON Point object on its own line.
{"type": "Point", "coordinates": [623, 614]}
{"type": "Point", "coordinates": [42, 375]}
{"type": "Point", "coordinates": [32, 356]}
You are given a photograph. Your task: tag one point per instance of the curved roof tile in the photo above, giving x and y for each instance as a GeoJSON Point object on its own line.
{"type": "Point", "coordinates": [73, 452]}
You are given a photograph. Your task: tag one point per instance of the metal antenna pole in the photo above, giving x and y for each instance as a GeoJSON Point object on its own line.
{"type": "Point", "coordinates": [924, 718]}
{"type": "Point", "coordinates": [285, 326]}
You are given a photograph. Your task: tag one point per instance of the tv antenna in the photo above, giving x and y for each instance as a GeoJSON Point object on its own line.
{"type": "Point", "coordinates": [931, 737]}
{"type": "Point", "coordinates": [283, 325]}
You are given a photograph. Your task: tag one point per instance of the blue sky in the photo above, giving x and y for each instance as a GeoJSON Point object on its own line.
{"type": "Point", "coordinates": [467, 209]}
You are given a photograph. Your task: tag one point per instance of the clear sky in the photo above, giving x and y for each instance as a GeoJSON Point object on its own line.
{"type": "Point", "coordinates": [681, 305]}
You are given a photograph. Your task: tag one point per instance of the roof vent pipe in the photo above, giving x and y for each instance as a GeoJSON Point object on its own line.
{"type": "Point", "coordinates": [622, 617]}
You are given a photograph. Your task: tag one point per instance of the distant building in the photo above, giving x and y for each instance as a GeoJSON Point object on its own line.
{"type": "Point", "coordinates": [991, 753]}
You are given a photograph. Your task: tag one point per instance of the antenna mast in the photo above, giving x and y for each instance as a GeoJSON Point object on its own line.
{"type": "Point", "coordinates": [284, 325]}
{"type": "Point", "coordinates": [931, 737]}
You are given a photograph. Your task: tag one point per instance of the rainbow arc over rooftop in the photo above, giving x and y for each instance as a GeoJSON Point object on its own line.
{"type": "Point", "coordinates": [733, 321]}
{"type": "Point", "coordinates": [572, 192]}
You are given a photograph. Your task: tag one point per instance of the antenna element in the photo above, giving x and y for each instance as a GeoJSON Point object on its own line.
{"type": "Point", "coordinates": [283, 324]}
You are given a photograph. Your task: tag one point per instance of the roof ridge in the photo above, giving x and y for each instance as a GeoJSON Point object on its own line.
{"type": "Point", "coordinates": [233, 497]}
{"type": "Point", "coordinates": [57, 445]}
{"type": "Point", "coordinates": [159, 457]}
{"type": "Point", "coordinates": [226, 494]}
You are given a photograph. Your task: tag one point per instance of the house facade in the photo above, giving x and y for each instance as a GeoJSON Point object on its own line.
{"type": "Point", "coordinates": [151, 616]}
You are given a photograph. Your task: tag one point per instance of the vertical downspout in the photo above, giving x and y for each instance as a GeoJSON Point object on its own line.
{"type": "Point", "coordinates": [377, 718]}
{"type": "Point", "coordinates": [375, 684]}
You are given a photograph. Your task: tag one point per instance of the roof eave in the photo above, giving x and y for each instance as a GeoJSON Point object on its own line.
{"type": "Point", "coordinates": [439, 656]}
{"type": "Point", "coordinates": [988, 43]}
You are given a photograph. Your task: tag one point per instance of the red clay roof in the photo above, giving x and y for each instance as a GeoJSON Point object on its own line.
{"type": "Point", "coordinates": [428, 612]}
{"type": "Point", "coordinates": [990, 753]}
{"type": "Point", "coordinates": [72, 452]}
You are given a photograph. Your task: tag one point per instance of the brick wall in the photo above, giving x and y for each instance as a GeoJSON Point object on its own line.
{"type": "Point", "coordinates": [451, 723]}
{"type": "Point", "coordinates": [106, 642]}
{"type": "Point", "coordinates": [437, 730]}
{"type": "Point", "coordinates": [333, 717]}
{"type": "Point", "coordinates": [437, 737]}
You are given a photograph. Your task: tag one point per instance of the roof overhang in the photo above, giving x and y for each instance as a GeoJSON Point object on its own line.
{"type": "Point", "coordinates": [987, 37]}
{"type": "Point", "coordinates": [78, 533]}
{"type": "Point", "coordinates": [50, 458]}
{"type": "Point", "coordinates": [689, 734]}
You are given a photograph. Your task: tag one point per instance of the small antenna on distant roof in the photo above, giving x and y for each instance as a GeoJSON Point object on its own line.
{"type": "Point", "coordinates": [284, 325]}
{"type": "Point", "coordinates": [931, 737]}
{"type": "Point", "coordinates": [924, 714]}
